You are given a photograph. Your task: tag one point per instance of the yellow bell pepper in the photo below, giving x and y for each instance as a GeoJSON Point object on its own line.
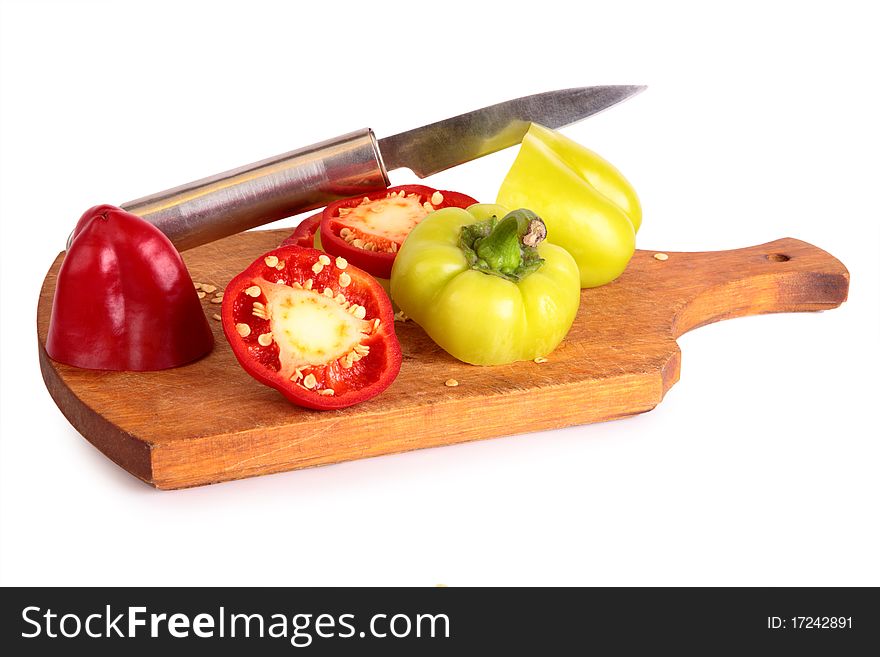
{"type": "Point", "coordinates": [589, 208]}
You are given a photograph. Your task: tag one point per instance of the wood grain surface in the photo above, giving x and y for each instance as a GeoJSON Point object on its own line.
{"type": "Point", "coordinates": [209, 421]}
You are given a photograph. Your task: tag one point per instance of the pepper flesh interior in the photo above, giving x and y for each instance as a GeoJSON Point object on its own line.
{"type": "Point", "coordinates": [310, 328]}
{"type": "Point", "coordinates": [382, 221]}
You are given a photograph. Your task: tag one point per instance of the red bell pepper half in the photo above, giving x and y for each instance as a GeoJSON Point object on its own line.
{"type": "Point", "coordinates": [124, 299]}
{"type": "Point", "coordinates": [313, 327]}
{"type": "Point", "coordinates": [369, 230]}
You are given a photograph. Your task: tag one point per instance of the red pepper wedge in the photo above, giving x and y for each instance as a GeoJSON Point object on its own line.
{"type": "Point", "coordinates": [369, 230]}
{"type": "Point", "coordinates": [315, 328]}
{"type": "Point", "coordinates": [124, 299]}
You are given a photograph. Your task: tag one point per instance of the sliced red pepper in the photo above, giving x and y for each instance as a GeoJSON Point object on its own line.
{"type": "Point", "coordinates": [304, 235]}
{"type": "Point", "coordinates": [124, 299]}
{"type": "Point", "coordinates": [369, 230]}
{"type": "Point", "coordinates": [313, 327]}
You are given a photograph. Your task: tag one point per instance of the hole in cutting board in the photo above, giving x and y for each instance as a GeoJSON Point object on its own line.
{"type": "Point", "coordinates": [778, 257]}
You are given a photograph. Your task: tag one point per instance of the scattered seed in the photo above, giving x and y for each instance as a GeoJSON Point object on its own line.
{"type": "Point", "coordinates": [216, 316]}
{"type": "Point", "coordinates": [451, 383]}
{"type": "Point", "coordinates": [317, 267]}
{"type": "Point", "coordinates": [198, 286]}
{"type": "Point", "coordinates": [661, 257]}
{"type": "Point", "coordinates": [341, 262]}
{"type": "Point", "coordinates": [265, 339]}
{"type": "Point", "coordinates": [344, 280]}
{"type": "Point", "coordinates": [253, 291]}
{"type": "Point", "coordinates": [540, 359]}
{"type": "Point", "coordinates": [324, 260]}
{"type": "Point", "coordinates": [243, 330]}
{"type": "Point", "coordinates": [436, 198]}
{"type": "Point", "coordinates": [400, 316]}
{"type": "Point", "coordinates": [271, 260]}
{"type": "Point", "coordinates": [201, 295]}
{"type": "Point", "coordinates": [217, 300]}
{"type": "Point", "coordinates": [310, 381]}
{"type": "Point", "coordinates": [327, 392]}
{"type": "Point", "coordinates": [209, 288]}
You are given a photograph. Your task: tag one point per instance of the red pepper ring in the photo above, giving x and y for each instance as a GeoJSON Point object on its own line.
{"type": "Point", "coordinates": [368, 230]}
{"type": "Point", "coordinates": [304, 235]}
{"type": "Point", "coordinates": [315, 328]}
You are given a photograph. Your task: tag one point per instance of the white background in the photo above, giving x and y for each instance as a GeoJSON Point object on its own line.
{"type": "Point", "coordinates": [761, 465]}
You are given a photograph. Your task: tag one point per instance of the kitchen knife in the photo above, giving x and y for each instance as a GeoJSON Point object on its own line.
{"type": "Point", "coordinates": [356, 163]}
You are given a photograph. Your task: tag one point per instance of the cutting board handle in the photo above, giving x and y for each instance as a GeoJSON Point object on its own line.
{"type": "Point", "coordinates": [786, 275]}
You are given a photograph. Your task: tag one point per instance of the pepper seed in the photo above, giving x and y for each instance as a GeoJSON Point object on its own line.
{"type": "Point", "coordinates": [265, 339]}
{"type": "Point", "coordinates": [243, 330]}
{"type": "Point", "coordinates": [661, 257]}
{"type": "Point", "coordinates": [451, 383]}
{"type": "Point", "coordinates": [253, 291]}
{"type": "Point", "coordinates": [271, 260]}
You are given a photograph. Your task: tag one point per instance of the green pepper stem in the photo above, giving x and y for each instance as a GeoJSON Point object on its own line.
{"type": "Point", "coordinates": [502, 248]}
{"type": "Point", "coordinates": [505, 248]}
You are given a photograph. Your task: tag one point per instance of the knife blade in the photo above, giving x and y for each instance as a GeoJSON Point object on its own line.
{"type": "Point", "coordinates": [356, 163]}
{"type": "Point", "coordinates": [448, 143]}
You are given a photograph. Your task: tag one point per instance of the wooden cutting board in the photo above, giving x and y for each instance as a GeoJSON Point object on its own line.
{"type": "Point", "coordinates": [209, 421]}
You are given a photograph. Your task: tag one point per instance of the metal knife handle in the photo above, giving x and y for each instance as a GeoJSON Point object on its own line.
{"type": "Point", "coordinates": [255, 194]}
